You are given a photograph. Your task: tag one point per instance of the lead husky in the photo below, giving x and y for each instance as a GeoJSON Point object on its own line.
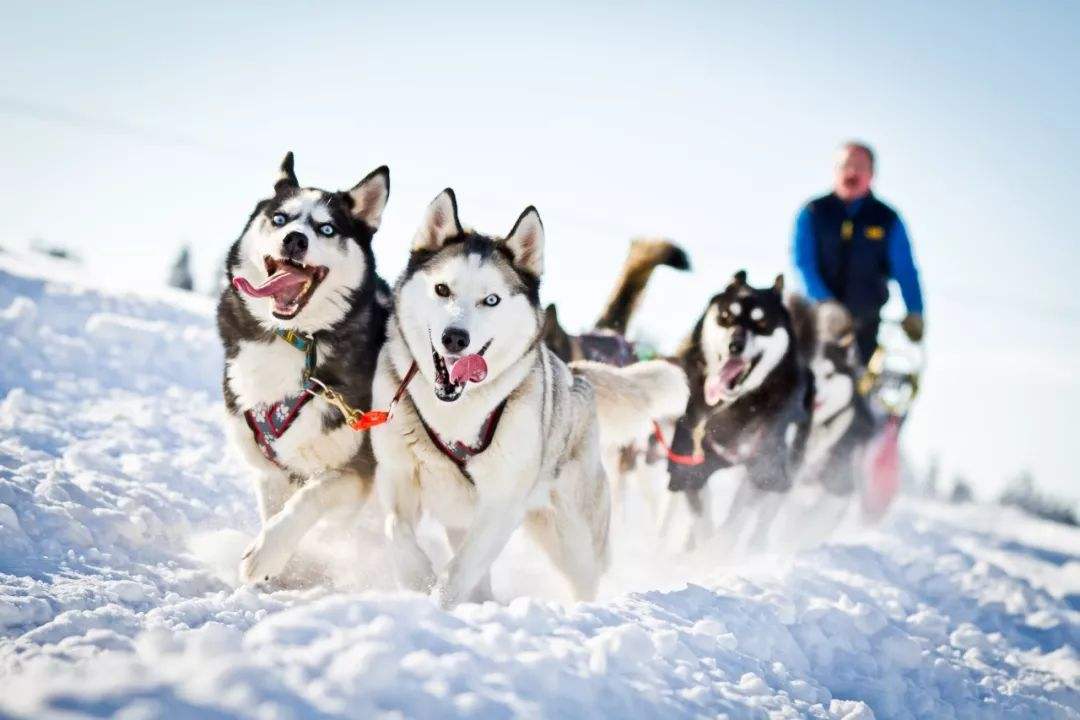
{"type": "Point", "coordinates": [303, 307]}
{"type": "Point", "coordinates": [495, 430]}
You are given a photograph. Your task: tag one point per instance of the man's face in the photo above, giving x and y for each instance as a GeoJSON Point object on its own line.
{"type": "Point", "coordinates": [853, 174]}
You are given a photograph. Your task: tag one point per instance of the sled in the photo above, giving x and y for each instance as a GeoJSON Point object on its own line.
{"type": "Point", "coordinates": [890, 384]}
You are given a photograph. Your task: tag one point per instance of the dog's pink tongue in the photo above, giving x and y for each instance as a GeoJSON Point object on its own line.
{"type": "Point", "coordinates": [470, 368]}
{"type": "Point", "coordinates": [714, 390]}
{"type": "Point", "coordinates": [281, 280]}
{"type": "Point", "coordinates": [730, 370]}
{"type": "Point", "coordinates": [717, 386]}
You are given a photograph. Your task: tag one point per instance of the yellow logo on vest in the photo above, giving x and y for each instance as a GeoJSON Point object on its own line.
{"type": "Point", "coordinates": [874, 232]}
{"type": "Point", "coordinates": [847, 230]}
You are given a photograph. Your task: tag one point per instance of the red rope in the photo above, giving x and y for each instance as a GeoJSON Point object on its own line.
{"type": "Point", "coordinates": [674, 456]}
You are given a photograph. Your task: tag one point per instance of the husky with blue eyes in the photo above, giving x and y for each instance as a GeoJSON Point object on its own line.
{"type": "Point", "coordinates": [303, 310]}
{"type": "Point", "coordinates": [493, 430]}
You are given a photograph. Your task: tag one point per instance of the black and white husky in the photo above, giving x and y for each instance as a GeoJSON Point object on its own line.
{"type": "Point", "coordinates": [303, 308]}
{"type": "Point", "coordinates": [495, 431]}
{"type": "Point", "coordinates": [750, 402]}
{"type": "Point", "coordinates": [842, 423]}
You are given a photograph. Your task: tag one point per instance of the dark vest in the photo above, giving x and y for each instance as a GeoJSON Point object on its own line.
{"type": "Point", "coordinates": [852, 253]}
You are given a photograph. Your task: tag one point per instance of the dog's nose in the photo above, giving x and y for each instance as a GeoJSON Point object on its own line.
{"type": "Point", "coordinates": [738, 343]}
{"type": "Point", "coordinates": [294, 245]}
{"type": "Point", "coordinates": [455, 339]}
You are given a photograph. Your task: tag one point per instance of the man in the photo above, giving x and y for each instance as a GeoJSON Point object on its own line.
{"type": "Point", "coordinates": [848, 244]}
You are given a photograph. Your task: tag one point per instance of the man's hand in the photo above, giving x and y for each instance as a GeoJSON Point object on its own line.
{"type": "Point", "coordinates": [913, 326]}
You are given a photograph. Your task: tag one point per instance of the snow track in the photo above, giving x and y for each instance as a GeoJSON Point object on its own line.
{"type": "Point", "coordinates": [122, 516]}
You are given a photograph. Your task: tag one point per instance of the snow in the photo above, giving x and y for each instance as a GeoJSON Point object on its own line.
{"type": "Point", "coordinates": [123, 513]}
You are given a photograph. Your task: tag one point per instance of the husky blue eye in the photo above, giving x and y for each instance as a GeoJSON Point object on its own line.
{"type": "Point", "coordinates": [442, 290]}
{"type": "Point", "coordinates": [326, 229]}
{"type": "Point", "coordinates": [278, 219]}
{"type": "Point", "coordinates": [491, 300]}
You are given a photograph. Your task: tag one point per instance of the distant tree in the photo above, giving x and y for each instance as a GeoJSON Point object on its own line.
{"type": "Point", "coordinates": [1022, 493]}
{"type": "Point", "coordinates": [961, 491]}
{"type": "Point", "coordinates": [180, 274]}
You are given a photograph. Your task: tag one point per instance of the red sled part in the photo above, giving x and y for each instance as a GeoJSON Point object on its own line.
{"type": "Point", "coordinates": [882, 471]}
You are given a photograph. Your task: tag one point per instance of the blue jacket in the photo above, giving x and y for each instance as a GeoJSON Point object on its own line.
{"type": "Point", "coordinates": [848, 252]}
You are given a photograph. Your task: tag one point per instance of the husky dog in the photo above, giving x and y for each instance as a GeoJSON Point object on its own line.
{"type": "Point", "coordinates": [303, 308]}
{"type": "Point", "coordinates": [842, 423]}
{"type": "Point", "coordinates": [750, 402]}
{"type": "Point", "coordinates": [495, 430]}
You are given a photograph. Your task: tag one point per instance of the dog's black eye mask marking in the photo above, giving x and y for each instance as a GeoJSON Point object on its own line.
{"type": "Point", "coordinates": [748, 300]}
{"type": "Point", "coordinates": [483, 247]}
{"type": "Point", "coordinates": [339, 206]}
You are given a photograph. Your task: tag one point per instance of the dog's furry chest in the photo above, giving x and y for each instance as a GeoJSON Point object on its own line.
{"type": "Point", "coordinates": [262, 374]}
{"type": "Point", "coordinates": [452, 493]}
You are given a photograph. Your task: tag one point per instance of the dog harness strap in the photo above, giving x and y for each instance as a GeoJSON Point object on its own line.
{"type": "Point", "coordinates": [270, 422]}
{"type": "Point", "coordinates": [460, 453]}
{"type": "Point", "coordinates": [672, 455]}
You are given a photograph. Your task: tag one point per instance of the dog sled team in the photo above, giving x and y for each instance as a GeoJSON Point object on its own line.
{"type": "Point", "coordinates": [455, 395]}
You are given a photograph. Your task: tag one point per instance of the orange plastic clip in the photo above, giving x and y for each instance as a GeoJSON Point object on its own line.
{"type": "Point", "coordinates": [370, 419]}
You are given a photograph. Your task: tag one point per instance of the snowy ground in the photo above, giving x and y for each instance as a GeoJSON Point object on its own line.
{"type": "Point", "coordinates": [122, 515]}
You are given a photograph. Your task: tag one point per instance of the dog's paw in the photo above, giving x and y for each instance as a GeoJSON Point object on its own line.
{"type": "Point", "coordinates": [263, 560]}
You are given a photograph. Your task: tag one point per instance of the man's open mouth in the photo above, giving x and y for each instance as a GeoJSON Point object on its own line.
{"type": "Point", "coordinates": [290, 284]}
{"type": "Point", "coordinates": [724, 385]}
{"type": "Point", "coordinates": [453, 373]}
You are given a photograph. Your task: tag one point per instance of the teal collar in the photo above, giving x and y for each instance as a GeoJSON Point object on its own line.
{"type": "Point", "coordinates": [303, 343]}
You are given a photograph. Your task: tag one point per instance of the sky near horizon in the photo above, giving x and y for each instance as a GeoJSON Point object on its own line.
{"type": "Point", "coordinates": [130, 130]}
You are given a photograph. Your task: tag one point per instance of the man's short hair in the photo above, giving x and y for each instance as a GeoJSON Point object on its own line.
{"type": "Point", "coordinates": [858, 145]}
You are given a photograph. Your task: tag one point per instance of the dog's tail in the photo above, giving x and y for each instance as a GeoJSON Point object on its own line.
{"type": "Point", "coordinates": [645, 255]}
{"type": "Point", "coordinates": [628, 399]}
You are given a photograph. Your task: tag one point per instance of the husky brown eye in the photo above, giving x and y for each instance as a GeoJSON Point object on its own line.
{"type": "Point", "coordinates": [442, 290]}
{"type": "Point", "coordinates": [492, 300]}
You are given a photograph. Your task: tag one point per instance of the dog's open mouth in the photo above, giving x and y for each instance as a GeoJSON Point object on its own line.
{"type": "Point", "coordinates": [453, 373]}
{"type": "Point", "coordinates": [290, 284]}
{"type": "Point", "coordinates": [724, 385]}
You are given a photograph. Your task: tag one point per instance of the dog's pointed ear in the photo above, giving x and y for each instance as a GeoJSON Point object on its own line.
{"type": "Point", "coordinates": [738, 280]}
{"type": "Point", "coordinates": [778, 284]}
{"type": "Point", "coordinates": [369, 197]}
{"type": "Point", "coordinates": [526, 242]}
{"type": "Point", "coordinates": [440, 223]}
{"type": "Point", "coordinates": [286, 176]}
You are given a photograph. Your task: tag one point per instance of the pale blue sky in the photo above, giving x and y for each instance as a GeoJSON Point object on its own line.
{"type": "Point", "coordinates": [128, 130]}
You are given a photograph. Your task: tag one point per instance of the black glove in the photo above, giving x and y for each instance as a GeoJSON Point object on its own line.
{"type": "Point", "coordinates": [913, 326]}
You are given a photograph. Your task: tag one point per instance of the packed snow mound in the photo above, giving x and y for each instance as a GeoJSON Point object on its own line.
{"type": "Point", "coordinates": [122, 515]}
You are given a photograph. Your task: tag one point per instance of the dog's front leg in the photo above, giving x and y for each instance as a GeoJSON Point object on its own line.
{"type": "Point", "coordinates": [398, 485]}
{"type": "Point", "coordinates": [276, 542]}
{"type": "Point", "coordinates": [271, 490]}
{"type": "Point", "coordinates": [412, 566]}
{"type": "Point", "coordinates": [493, 524]}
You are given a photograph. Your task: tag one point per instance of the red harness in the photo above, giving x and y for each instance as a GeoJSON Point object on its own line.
{"type": "Point", "coordinates": [460, 453]}
{"type": "Point", "coordinates": [731, 457]}
{"type": "Point", "coordinates": [269, 422]}
{"type": "Point", "coordinates": [672, 455]}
